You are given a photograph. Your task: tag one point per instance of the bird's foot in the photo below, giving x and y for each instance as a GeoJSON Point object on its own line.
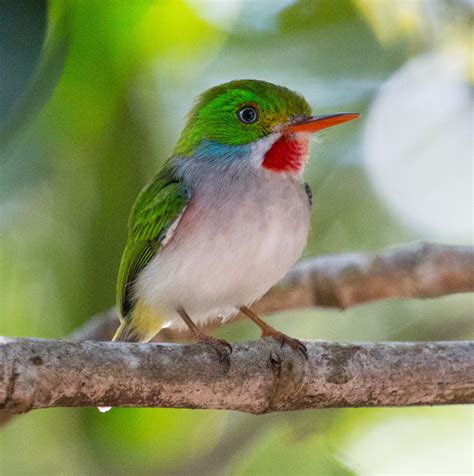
{"type": "Point", "coordinates": [269, 331]}
{"type": "Point", "coordinates": [221, 346]}
{"type": "Point", "coordinates": [283, 339]}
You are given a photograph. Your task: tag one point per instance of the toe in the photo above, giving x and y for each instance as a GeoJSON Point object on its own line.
{"type": "Point", "coordinates": [221, 346]}
{"type": "Point", "coordinates": [303, 350]}
{"type": "Point", "coordinates": [295, 344]}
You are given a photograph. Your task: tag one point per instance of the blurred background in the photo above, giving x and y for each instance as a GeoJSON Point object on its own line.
{"type": "Point", "coordinates": [92, 99]}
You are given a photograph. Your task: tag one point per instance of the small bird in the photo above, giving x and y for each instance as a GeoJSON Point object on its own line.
{"type": "Point", "coordinates": [226, 216]}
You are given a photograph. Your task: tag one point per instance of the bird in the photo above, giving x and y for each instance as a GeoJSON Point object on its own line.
{"type": "Point", "coordinates": [226, 216]}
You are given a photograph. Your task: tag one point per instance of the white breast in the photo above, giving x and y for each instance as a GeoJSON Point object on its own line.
{"type": "Point", "coordinates": [239, 235]}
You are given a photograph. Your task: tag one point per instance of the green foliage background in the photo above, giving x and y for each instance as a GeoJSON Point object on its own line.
{"type": "Point", "coordinates": [93, 97]}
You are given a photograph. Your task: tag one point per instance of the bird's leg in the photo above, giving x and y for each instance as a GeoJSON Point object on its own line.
{"type": "Point", "coordinates": [269, 331]}
{"type": "Point", "coordinates": [221, 346]}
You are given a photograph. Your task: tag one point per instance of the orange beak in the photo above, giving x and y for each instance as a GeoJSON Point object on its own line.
{"type": "Point", "coordinates": [316, 123]}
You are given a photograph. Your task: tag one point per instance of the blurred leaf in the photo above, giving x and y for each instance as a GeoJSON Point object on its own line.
{"type": "Point", "coordinates": [151, 439]}
{"type": "Point", "coordinates": [435, 440]}
{"type": "Point", "coordinates": [22, 29]}
{"type": "Point", "coordinates": [280, 453]}
{"type": "Point", "coordinates": [27, 83]}
{"type": "Point", "coordinates": [306, 14]}
{"type": "Point", "coordinates": [394, 20]}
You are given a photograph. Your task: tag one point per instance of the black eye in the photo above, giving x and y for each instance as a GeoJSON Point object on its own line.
{"type": "Point", "coordinates": [247, 115]}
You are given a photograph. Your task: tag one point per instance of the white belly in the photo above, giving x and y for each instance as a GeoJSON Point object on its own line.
{"type": "Point", "coordinates": [230, 247]}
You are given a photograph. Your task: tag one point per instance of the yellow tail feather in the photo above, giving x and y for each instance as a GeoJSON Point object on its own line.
{"type": "Point", "coordinates": [141, 325]}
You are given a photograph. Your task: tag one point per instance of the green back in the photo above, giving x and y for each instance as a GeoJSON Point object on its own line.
{"type": "Point", "coordinates": [158, 205]}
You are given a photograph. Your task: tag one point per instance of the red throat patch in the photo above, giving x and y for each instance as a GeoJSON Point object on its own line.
{"type": "Point", "coordinates": [287, 154]}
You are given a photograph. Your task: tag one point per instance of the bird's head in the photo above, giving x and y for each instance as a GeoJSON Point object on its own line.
{"type": "Point", "coordinates": [267, 124]}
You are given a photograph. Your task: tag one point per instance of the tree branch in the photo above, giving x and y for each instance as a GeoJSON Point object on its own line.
{"type": "Point", "coordinates": [345, 280]}
{"type": "Point", "coordinates": [262, 377]}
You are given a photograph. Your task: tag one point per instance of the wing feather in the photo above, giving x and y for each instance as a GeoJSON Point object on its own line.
{"type": "Point", "coordinates": [157, 207]}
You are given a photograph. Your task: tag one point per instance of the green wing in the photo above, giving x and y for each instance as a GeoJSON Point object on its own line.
{"type": "Point", "coordinates": [156, 208]}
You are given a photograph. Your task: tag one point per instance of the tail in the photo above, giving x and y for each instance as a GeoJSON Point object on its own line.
{"type": "Point", "coordinates": [140, 325]}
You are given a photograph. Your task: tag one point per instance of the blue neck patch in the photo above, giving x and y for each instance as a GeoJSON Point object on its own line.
{"type": "Point", "coordinates": [210, 151]}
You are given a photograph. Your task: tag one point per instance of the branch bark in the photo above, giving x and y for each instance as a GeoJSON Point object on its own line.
{"type": "Point", "coordinates": [342, 281]}
{"type": "Point", "coordinates": [262, 377]}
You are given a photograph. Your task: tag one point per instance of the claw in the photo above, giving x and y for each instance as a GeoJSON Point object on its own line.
{"type": "Point", "coordinates": [283, 339]}
{"type": "Point", "coordinates": [275, 362]}
{"type": "Point", "coordinates": [221, 346]}
{"type": "Point", "coordinates": [269, 331]}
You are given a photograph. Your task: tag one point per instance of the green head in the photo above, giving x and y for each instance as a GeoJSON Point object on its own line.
{"type": "Point", "coordinates": [240, 112]}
